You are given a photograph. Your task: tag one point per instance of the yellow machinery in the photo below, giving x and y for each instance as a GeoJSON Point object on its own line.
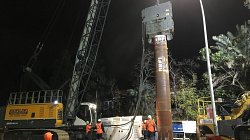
{"type": "Point", "coordinates": [33, 109]}
{"type": "Point", "coordinates": [229, 116]}
{"type": "Point", "coordinates": [29, 115]}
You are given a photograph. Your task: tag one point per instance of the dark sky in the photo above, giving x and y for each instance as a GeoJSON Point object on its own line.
{"type": "Point", "coordinates": [23, 23]}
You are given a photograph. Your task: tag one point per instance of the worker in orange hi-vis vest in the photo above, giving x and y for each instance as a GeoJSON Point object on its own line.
{"type": "Point", "coordinates": [150, 124]}
{"type": "Point", "coordinates": [144, 129]}
{"type": "Point", "coordinates": [99, 129]}
{"type": "Point", "coordinates": [48, 136]}
{"type": "Point", "coordinates": [88, 130]}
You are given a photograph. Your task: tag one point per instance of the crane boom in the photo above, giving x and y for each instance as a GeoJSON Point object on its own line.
{"type": "Point", "coordinates": [43, 111]}
{"type": "Point", "coordinates": [86, 56]}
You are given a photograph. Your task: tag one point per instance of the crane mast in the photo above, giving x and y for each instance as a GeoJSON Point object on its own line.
{"type": "Point", "coordinates": [30, 115]}
{"type": "Point", "coordinates": [86, 56]}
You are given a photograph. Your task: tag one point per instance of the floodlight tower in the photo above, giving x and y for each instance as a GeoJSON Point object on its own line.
{"type": "Point", "coordinates": [159, 27]}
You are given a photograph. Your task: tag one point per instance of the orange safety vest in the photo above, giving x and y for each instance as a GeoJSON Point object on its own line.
{"type": "Point", "coordinates": [48, 136]}
{"type": "Point", "coordinates": [151, 125]}
{"type": "Point", "coordinates": [99, 128]}
{"type": "Point", "coordinates": [88, 128]}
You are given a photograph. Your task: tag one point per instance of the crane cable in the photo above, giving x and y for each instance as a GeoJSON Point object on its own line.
{"type": "Point", "coordinates": [52, 21]}
{"type": "Point", "coordinates": [141, 85]}
{"type": "Point", "coordinates": [44, 37]}
{"type": "Point", "coordinates": [68, 45]}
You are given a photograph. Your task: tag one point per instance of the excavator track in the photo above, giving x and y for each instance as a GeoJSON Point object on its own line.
{"type": "Point", "coordinates": [242, 132]}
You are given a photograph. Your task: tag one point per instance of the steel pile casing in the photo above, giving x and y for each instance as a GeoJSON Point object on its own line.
{"type": "Point", "coordinates": [163, 99]}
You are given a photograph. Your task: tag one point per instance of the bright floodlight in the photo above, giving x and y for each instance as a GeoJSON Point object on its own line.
{"type": "Point", "coordinates": [93, 106]}
{"type": "Point", "coordinates": [56, 102]}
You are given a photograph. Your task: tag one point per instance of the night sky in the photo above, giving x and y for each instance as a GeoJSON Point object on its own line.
{"type": "Point", "coordinates": [23, 23]}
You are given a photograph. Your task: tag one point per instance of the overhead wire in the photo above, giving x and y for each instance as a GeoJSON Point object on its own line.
{"type": "Point", "coordinates": [140, 90]}
{"type": "Point", "coordinates": [52, 22]}
{"type": "Point", "coordinates": [141, 85]}
{"type": "Point", "coordinates": [68, 45]}
{"type": "Point", "coordinates": [32, 60]}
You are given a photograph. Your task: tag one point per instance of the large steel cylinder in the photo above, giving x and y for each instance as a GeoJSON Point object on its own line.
{"type": "Point", "coordinates": [163, 99]}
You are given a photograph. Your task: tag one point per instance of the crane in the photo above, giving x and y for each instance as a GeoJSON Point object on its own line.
{"type": "Point", "coordinates": [29, 115]}
{"type": "Point", "coordinates": [86, 55]}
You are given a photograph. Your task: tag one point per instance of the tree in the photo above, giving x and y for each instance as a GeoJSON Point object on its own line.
{"type": "Point", "coordinates": [181, 69]}
{"type": "Point", "coordinates": [183, 84]}
{"type": "Point", "coordinates": [247, 3]}
{"type": "Point", "coordinates": [102, 89]}
{"type": "Point", "coordinates": [185, 99]}
{"type": "Point", "coordinates": [230, 61]}
{"type": "Point", "coordinates": [185, 93]}
{"type": "Point", "coordinates": [144, 78]}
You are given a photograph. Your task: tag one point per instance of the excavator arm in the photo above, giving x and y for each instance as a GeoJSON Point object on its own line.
{"type": "Point", "coordinates": [243, 105]}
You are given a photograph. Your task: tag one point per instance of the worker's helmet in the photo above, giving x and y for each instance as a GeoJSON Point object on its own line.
{"type": "Point", "coordinates": [145, 121]}
{"type": "Point", "coordinates": [149, 117]}
{"type": "Point", "coordinates": [99, 120]}
{"type": "Point", "coordinates": [49, 133]}
{"type": "Point", "coordinates": [87, 122]}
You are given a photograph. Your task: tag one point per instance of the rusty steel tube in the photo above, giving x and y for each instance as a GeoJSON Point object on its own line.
{"type": "Point", "coordinates": [163, 99]}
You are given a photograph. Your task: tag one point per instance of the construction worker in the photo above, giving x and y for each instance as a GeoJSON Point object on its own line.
{"type": "Point", "coordinates": [99, 129]}
{"type": "Point", "coordinates": [150, 125]}
{"type": "Point", "coordinates": [48, 136]}
{"type": "Point", "coordinates": [144, 129]}
{"type": "Point", "coordinates": [88, 130]}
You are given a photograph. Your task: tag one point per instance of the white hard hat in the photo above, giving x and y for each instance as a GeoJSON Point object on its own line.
{"type": "Point", "coordinates": [87, 122]}
{"type": "Point", "coordinates": [49, 133]}
{"type": "Point", "coordinates": [149, 116]}
{"type": "Point", "coordinates": [99, 120]}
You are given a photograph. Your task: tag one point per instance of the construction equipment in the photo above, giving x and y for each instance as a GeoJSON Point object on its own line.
{"type": "Point", "coordinates": [117, 128]}
{"type": "Point", "coordinates": [232, 117]}
{"type": "Point", "coordinates": [28, 111]}
{"type": "Point", "coordinates": [158, 24]}
{"type": "Point", "coordinates": [29, 115]}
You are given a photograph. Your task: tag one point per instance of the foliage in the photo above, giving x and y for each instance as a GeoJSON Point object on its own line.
{"type": "Point", "coordinates": [185, 100]}
{"type": "Point", "coordinates": [230, 61]}
{"type": "Point", "coordinates": [103, 90]}
{"type": "Point", "coordinates": [183, 84]}
{"type": "Point", "coordinates": [247, 3]}
{"type": "Point", "coordinates": [148, 100]}
{"type": "Point", "coordinates": [184, 80]}
{"type": "Point", "coordinates": [144, 75]}
{"type": "Point", "coordinates": [184, 69]}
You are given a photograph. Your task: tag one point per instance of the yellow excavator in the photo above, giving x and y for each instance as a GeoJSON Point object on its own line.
{"type": "Point", "coordinates": [29, 115]}
{"type": "Point", "coordinates": [232, 117]}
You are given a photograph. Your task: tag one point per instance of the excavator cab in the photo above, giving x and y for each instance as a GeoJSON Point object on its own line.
{"type": "Point", "coordinates": [87, 112]}
{"type": "Point", "coordinates": [233, 118]}
{"type": "Point", "coordinates": [205, 123]}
